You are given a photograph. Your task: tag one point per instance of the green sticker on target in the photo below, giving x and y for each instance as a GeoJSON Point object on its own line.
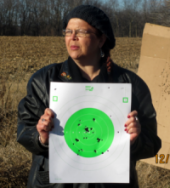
{"type": "Point", "coordinates": [89, 132]}
{"type": "Point", "coordinates": [55, 98]}
{"type": "Point", "coordinates": [125, 99]}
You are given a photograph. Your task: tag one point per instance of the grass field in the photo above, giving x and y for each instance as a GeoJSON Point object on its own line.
{"type": "Point", "coordinates": [20, 57]}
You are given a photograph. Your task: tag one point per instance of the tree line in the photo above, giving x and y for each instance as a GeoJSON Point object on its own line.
{"type": "Point", "coordinates": [45, 17]}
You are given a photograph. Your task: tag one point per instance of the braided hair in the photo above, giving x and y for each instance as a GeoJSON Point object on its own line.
{"type": "Point", "coordinates": [106, 50]}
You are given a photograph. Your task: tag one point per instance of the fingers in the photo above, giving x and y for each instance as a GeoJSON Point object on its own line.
{"type": "Point", "coordinates": [132, 118]}
{"type": "Point", "coordinates": [49, 112]}
{"type": "Point", "coordinates": [45, 124]}
{"type": "Point", "coordinates": [132, 114]}
{"type": "Point", "coordinates": [132, 126]}
{"type": "Point", "coordinates": [45, 118]}
{"type": "Point", "coordinates": [43, 128]}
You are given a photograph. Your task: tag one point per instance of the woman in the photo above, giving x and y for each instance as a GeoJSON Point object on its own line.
{"type": "Point", "coordinates": [89, 38]}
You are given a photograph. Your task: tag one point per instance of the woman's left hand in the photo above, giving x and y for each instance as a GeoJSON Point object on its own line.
{"type": "Point", "coordinates": [132, 126]}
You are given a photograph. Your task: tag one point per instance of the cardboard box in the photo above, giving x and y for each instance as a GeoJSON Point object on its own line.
{"type": "Point", "coordinates": [154, 69]}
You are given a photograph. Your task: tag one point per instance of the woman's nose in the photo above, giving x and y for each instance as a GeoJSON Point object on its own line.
{"type": "Point", "coordinates": [73, 35]}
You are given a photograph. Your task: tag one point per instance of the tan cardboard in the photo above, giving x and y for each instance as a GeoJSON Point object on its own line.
{"type": "Point", "coordinates": [154, 69]}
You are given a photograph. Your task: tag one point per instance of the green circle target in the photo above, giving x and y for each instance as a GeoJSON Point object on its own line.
{"type": "Point", "coordinates": [89, 132]}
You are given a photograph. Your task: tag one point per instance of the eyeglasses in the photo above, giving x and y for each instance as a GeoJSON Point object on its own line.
{"type": "Point", "coordinates": [78, 33]}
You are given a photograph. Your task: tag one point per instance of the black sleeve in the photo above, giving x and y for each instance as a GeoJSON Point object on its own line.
{"type": "Point", "coordinates": [148, 143]}
{"type": "Point", "coordinates": [30, 110]}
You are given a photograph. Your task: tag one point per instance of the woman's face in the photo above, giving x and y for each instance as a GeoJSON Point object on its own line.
{"type": "Point", "coordinates": [80, 47]}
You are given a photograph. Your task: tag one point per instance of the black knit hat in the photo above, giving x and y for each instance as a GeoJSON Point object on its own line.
{"type": "Point", "coordinates": [96, 18]}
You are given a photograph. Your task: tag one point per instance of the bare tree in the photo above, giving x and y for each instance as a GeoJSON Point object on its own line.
{"type": "Point", "coordinates": [161, 14]}
{"type": "Point", "coordinates": [131, 8]}
{"type": "Point", "coordinates": [45, 17]}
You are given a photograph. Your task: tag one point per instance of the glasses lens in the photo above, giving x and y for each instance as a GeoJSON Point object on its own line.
{"type": "Point", "coordinates": [81, 33]}
{"type": "Point", "coordinates": [67, 32]}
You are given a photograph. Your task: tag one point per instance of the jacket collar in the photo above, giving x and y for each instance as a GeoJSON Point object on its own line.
{"type": "Point", "coordinates": [70, 72]}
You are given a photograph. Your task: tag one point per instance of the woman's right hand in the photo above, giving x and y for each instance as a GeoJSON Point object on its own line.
{"type": "Point", "coordinates": [45, 124]}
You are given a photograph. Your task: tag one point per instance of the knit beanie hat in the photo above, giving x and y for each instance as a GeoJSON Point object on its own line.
{"type": "Point", "coordinates": [96, 18]}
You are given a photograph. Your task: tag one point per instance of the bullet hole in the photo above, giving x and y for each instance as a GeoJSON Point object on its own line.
{"type": "Point", "coordinates": [93, 119]}
{"type": "Point", "coordinates": [77, 140]}
{"type": "Point", "coordinates": [108, 87]}
{"type": "Point", "coordinates": [117, 131]}
{"type": "Point", "coordinates": [95, 151]}
{"type": "Point", "coordinates": [107, 150]}
{"type": "Point", "coordinates": [91, 129]}
{"type": "Point", "coordinates": [77, 154]}
{"type": "Point", "coordinates": [87, 129]}
{"type": "Point", "coordinates": [73, 143]}
{"type": "Point", "coordinates": [81, 149]}
{"type": "Point", "coordinates": [79, 124]}
{"type": "Point", "coordinates": [102, 152]}
{"type": "Point", "coordinates": [93, 132]}
{"type": "Point", "coordinates": [110, 115]}
{"type": "Point", "coordinates": [98, 140]}
{"type": "Point", "coordinates": [54, 88]}
{"type": "Point", "coordinates": [84, 137]}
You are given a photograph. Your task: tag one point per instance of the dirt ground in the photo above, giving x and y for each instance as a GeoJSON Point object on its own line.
{"type": "Point", "coordinates": [20, 57]}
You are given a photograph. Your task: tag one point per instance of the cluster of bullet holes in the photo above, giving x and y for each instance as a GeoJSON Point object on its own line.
{"type": "Point", "coordinates": [87, 130]}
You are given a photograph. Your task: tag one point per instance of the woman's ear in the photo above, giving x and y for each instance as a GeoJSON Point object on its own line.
{"type": "Point", "coordinates": [102, 40]}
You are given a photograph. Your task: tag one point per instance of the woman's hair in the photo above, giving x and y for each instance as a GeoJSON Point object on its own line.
{"type": "Point", "coordinates": [106, 50]}
{"type": "Point", "coordinates": [106, 58]}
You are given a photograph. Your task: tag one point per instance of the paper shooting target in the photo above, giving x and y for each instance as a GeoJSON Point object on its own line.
{"type": "Point", "coordinates": [87, 136]}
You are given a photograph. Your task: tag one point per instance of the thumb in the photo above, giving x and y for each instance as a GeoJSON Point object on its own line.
{"type": "Point", "coordinates": [49, 112]}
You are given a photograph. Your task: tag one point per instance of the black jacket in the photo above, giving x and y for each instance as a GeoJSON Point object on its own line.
{"type": "Point", "coordinates": [37, 100]}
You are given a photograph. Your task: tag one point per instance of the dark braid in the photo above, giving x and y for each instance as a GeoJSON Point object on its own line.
{"type": "Point", "coordinates": [106, 50]}
{"type": "Point", "coordinates": [106, 59]}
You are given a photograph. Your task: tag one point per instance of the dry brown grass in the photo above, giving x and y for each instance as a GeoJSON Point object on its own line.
{"type": "Point", "coordinates": [19, 58]}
